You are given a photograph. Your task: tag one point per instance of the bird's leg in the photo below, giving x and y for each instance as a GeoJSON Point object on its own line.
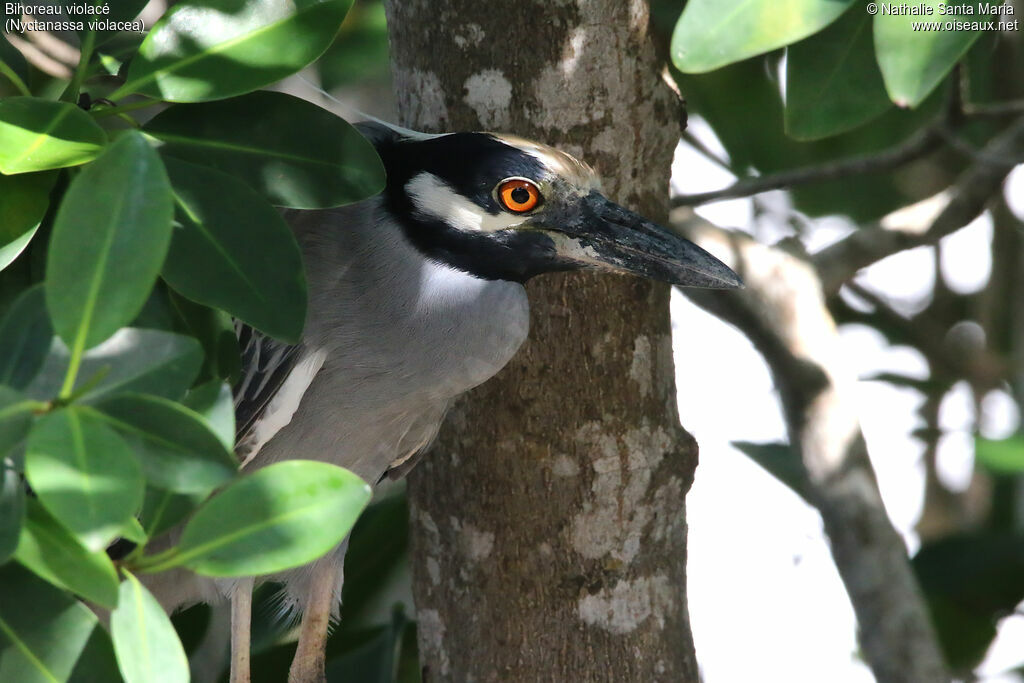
{"type": "Point", "coordinates": [241, 627]}
{"type": "Point", "coordinates": [308, 665]}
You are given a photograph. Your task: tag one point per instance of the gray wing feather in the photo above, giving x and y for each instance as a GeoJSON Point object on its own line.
{"type": "Point", "coordinates": [266, 364]}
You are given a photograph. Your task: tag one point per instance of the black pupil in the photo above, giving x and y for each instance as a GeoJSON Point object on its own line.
{"type": "Point", "coordinates": [520, 195]}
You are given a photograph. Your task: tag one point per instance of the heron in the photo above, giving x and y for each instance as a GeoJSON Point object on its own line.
{"type": "Point", "coordinates": [416, 296]}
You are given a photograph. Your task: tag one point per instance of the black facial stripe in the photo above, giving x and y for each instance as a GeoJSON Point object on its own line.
{"type": "Point", "coordinates": [472, 164]}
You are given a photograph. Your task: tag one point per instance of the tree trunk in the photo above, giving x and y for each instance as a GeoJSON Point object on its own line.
{"type": "Point", "coordinates": [548, 524]}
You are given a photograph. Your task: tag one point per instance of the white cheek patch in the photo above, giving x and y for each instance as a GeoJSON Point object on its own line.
{"type": "Point", "coordinates": [433, 198]}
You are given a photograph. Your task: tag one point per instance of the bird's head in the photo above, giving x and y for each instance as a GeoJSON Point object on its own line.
{"type": "Point", "coordinates": [506, 208]}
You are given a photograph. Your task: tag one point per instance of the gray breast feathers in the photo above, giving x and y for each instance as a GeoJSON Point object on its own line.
{"type": "Point", "coordinates": [391, 337]}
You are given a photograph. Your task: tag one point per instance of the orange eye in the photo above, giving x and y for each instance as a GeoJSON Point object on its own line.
{"type": "Point", "coordinates": [518, 195]}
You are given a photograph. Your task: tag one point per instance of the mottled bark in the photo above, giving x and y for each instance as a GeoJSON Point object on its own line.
{"type": "Point", "coordinates": [548, 522]}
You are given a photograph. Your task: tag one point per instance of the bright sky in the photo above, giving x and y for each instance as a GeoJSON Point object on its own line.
{"type": "Point", "coordinates": [766, 602]}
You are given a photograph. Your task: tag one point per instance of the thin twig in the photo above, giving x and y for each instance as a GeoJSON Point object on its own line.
{"type": "Point", "coordinates": [995, 109]}
{"type": "Point", "coordinates": [692, 140]}
{"type": "Point", "coordinates": [915, 147]}
{"type": "Point", "coordinates": [969, 195]}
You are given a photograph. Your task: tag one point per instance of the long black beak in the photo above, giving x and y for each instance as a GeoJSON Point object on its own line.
{"type": "Point", "coordinates": [607, 236]}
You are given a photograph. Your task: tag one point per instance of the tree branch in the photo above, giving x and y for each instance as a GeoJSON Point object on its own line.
{"type": "Point", "coordinates": [783, 312]}
{"type": "Point", "coordinates": [915, 147]}
{"type": "Point", "coordinates": [968, 197]}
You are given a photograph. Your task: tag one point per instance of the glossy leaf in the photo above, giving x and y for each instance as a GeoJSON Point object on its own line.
{"type": "Point", "coordinates": [913, 62]}
{"type": "Point", "coordinates": [725, 99]}
{"type": "Point", "coordinates": [711, 33]}
{"type": "Point", "coordinates": [294, 153]}
{"type": "Point", "coordinates": [279, 517]}
{"type": "Point", "coordinates": [176, 447]}
{"type": "Point", "coordinates": [359, 53]}
{"type": "Point", "coordinates": [84, 474]}
{"type": "Point", "coordinates": [119, 12]}
{"type": "Point", "coordinates": [832, 79]}
{"type": "Point", "coordinates": [146, 645]}
{"type": "Point", "coordinates": [23, 202]}
{"type": "Point", "coordinates": [52, 553]}
{"type": "Point", "coordinates": [211, 49]}
{"type": "Point", "coordinates": [781, 461]}
{"type": "Point", "coordinates": [96, 663]}
{"type": "Point", "coordinates": [214, 402]}
{"type": "Point", "coordinates": [133, 360]}
{"type": "Point", "coordinates": [16, 413]}
{"type": "Point", "coordinates": [42, 629]}
{"type": "Point", "coordinates": [1000, 457]}
{"type": "Point", "coordinates": [12, 508]}
{"type": "Point", "coordinates": [38, 134]}
{"type": "Point", "coordinates": [109, 240]}
{"type": "Point", "coordinates": [134, 532]}
{"type": "Point", "coordinates": [162, 509]}
{"type": "Point", "coordinates": [12, 63]}
{"type": "Point", "coordinates": [234, 251]}
{"type": "Point", "coordinates": [25, 337]}
{"type": "Point", "coordinates": [215, 330]}
{"type": "Point", "coordinates": [117, 51]}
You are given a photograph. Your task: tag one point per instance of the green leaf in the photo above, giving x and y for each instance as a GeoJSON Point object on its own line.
{"type": "Point", "coordinates": [84, 474]}
{"type": "Point", "coordinates": [25, 337]}
{"type": "Point", "coordinates": [215, 330]}
{"type": "Point", "coordinates": [282, 516]}
{"type": "Point", "coordinates": [12, 508]}
{"type": "Point", "coordinates": [178, 451]}
{"type": "Point", "coordinates": [16, 413]}
{"type": "Point", "coordinates": [116, 12]}
{"type": "Point", "coordinates": [12, 65]}
{"type": "Point", "coordinates": [214, 402]}
{"type": "Point", "coordinates": [711, 33]}
{"type": "Point", "coordinates": [725, 98]}
{"type": "Point", "coordinates": [781, 461]}
{"type": "Point", "coordinates": [53, 554]}
{"type": "Point", "coordinates": [133, 360]}
{"type": "Point", "coordinates": [147, 648]}
{"type": "Point", "coordinates": [37, 134]}
{"type": "Point", "coordinates": [23, 202]}
{"type": "Point", "coordinates": [1000, 457]}
{"type": "Point", "coordinates": [210, 49]}
{"type": "Point", "coordinates": [913, 62]}
{"type": "Point", "coordinates": [96, 662]}
{"type": "Point", "coordinates": [109, 240]}
{"type": "Point", "coordinates": [133, 531]}
{"type": "Point", "coordinates": [969, 582]}
{"type": "Point", "coordinates": [235, 252]}
{"type": "Point", "coordinates": [374, 660]}
{"type": "Point", "coordinates": [116, 52]}
{"type": "Point", "coordinates": [294, 153]}
{"type": "Point", "coordinates": [42, 629]}
{"type": "Point", "coordinates": [359, 53]}
{"type": "Point", "coordinates": [377, 548]}
{"type": "Point", "coordinates": [162, 509]}
{"type": "Point", "coordinates": [832, 79]}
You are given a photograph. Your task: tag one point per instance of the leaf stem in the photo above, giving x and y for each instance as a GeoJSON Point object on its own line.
{"type": "Point", "coordinates": [121, 108]}
{"type": "Point", "coordinates": [71, 92]}
{"type": "Point", "coordinates": [86, 387]}
{"type": "Point", "coordinates": [15, 79]}
{"type": "Point", "coordinates": [26, 406]}
{"type": "Point", "coordinates": [151, 564]}
{"type": "Point", "coordinates": [66, 390]}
